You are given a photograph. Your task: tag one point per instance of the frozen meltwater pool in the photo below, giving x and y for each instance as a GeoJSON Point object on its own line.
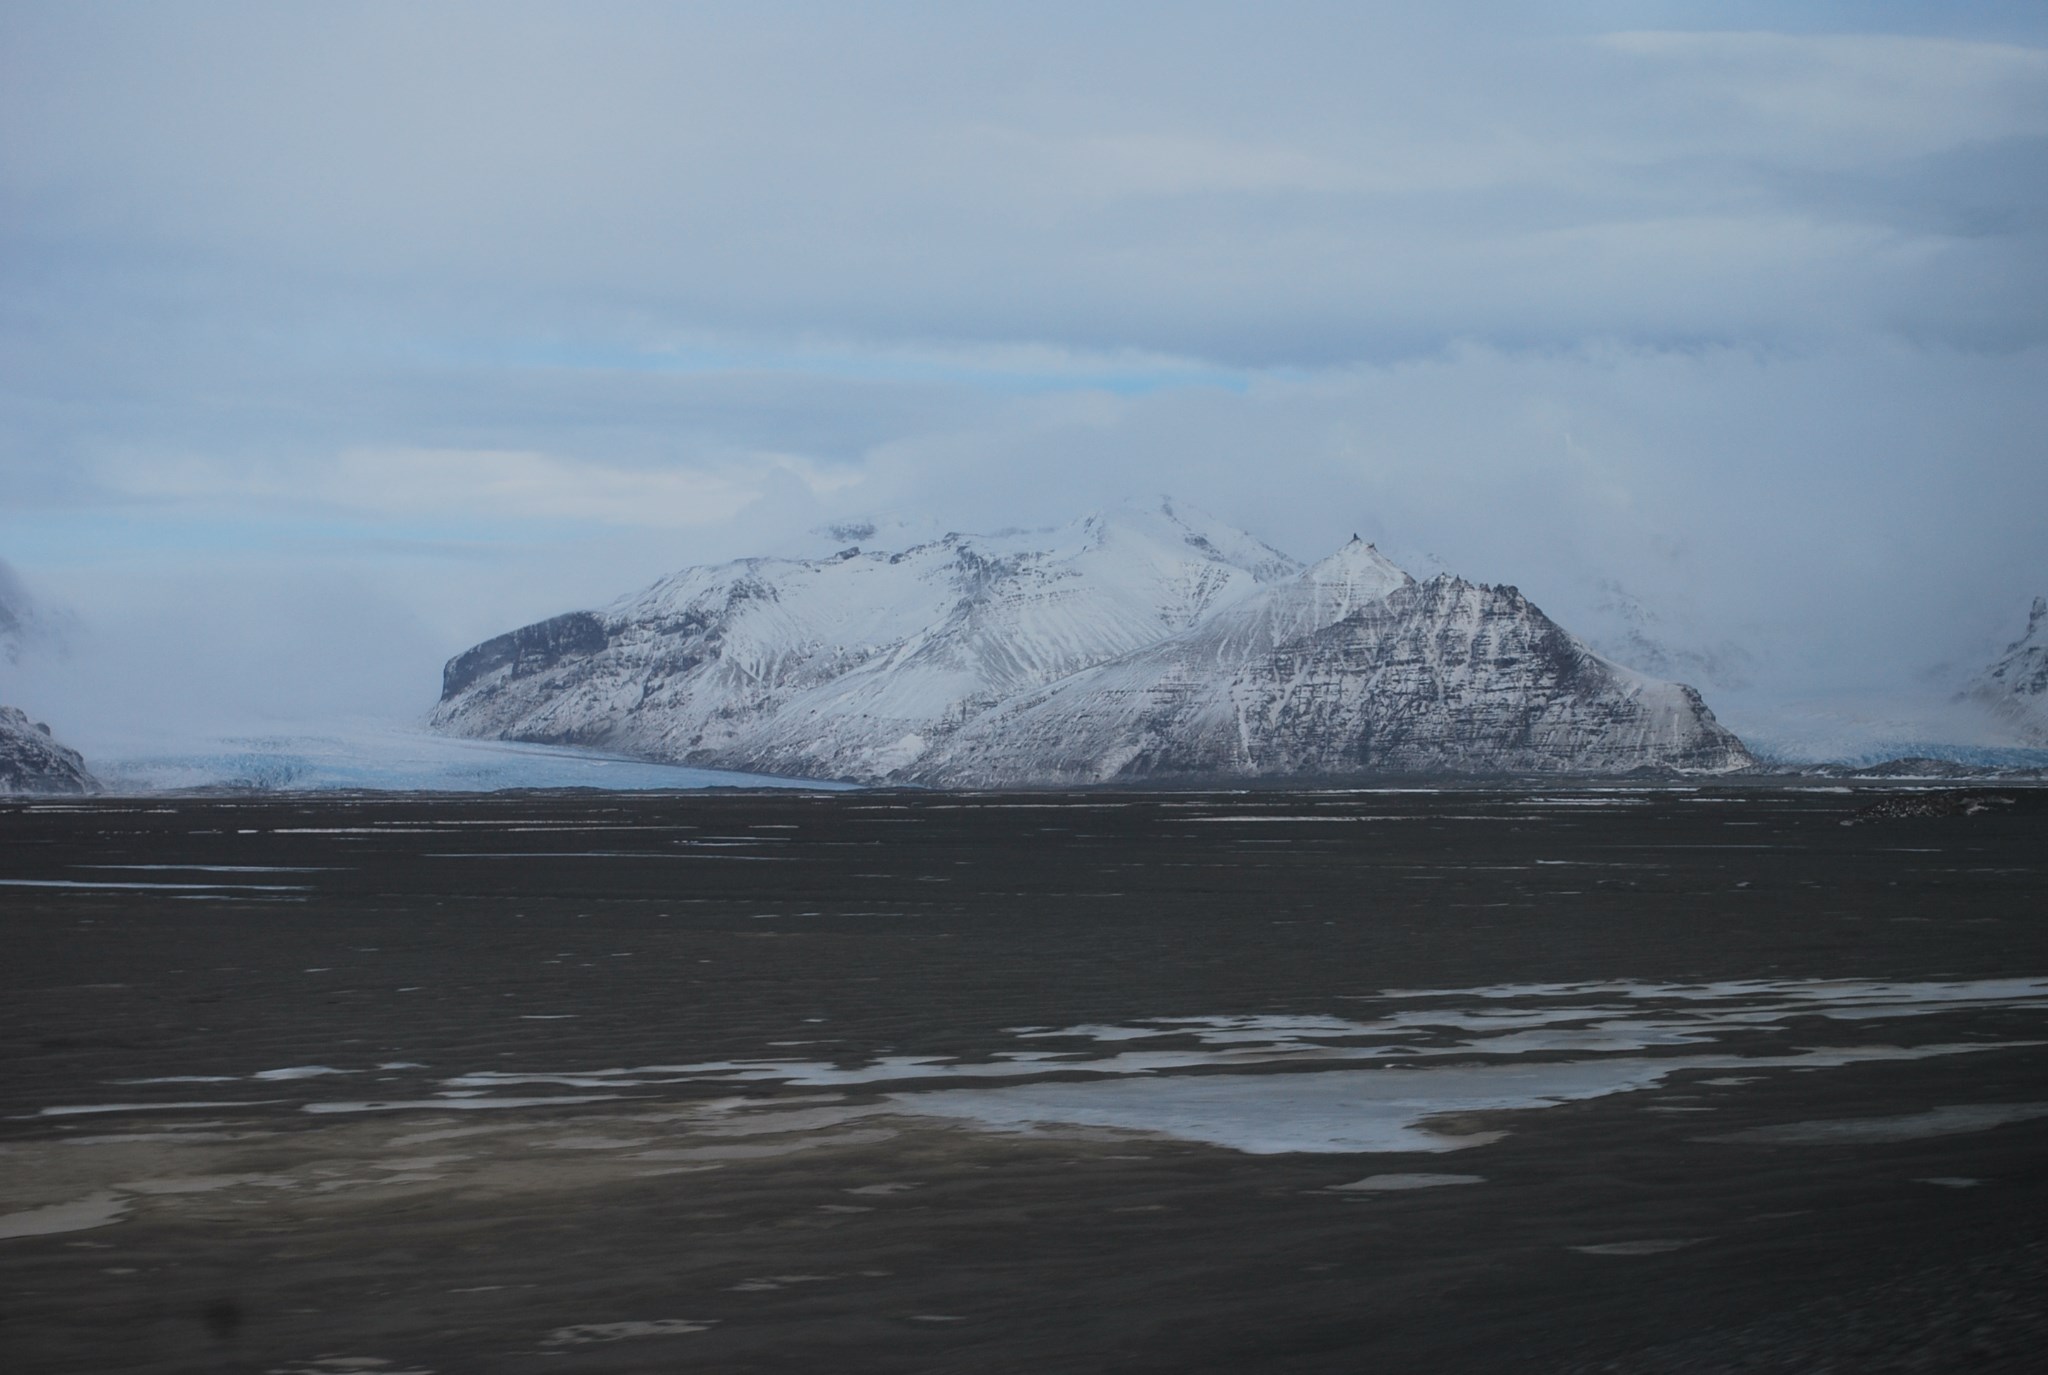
{"type": "Point", "coordinates": [1381, 1079]}
{"type": "Point", "coordinates": [1390, 1108]}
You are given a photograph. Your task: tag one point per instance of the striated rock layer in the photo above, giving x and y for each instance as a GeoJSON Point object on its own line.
{"type": "Point", "coordinates": [32, 762]}
{"type": "Point", "coordinates": [1141, 644]}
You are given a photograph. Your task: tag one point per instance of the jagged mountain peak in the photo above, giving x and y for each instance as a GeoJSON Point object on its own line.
{"type": "Point", "coordinates": [1328, 591]}
{"type": "Point", "coordinates": [1358, 570]}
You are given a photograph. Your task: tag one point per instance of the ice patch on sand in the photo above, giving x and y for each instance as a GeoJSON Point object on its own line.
{"type": "Point", "coordinates": [177, 1137]}
{"type": "Point", "coordinates": [206, 1183]}
{"type": "Point", "coordinates": [1912, 1126]}
{"type": "Point", "coordinates": [87, 1109]}
{"type": "Point", "coordinates": [414, 1163]}
{"type": "Point", "coordinates": [1395, 1183]}
{"type": "Point", "coordinates": [220, 868]}
{"type": "Point", "coordinates": [761, 1122]}
{"type": "Point", "coordinates": [1611, 1017]}
{"type": "Point", "coordinates": [766, 1283]}
{"type": "Point", "coordinates": [101, 884]}
{"type": "Point", "coordinates": [181, 1079]}
{"type": "Point", "coordinates": [1833, 994]}
{"type": "Point", "coordinates": [1353, 1110]}
{"type": "Point", "coordinates": [768, 1150]}
{"type": "Point", "coordinates": [582, 1334]}
{"type": "Point", "coordinates": [898, 1068]}
{"type": "Point", "coordinates": [1506, 1040]}
{"type": "Point", "coordinates": [1269, 1114]}
{"type": "Point", "coordinates": [94, 1210]}
{"type": "Point", "coordinates": [458, 1104]}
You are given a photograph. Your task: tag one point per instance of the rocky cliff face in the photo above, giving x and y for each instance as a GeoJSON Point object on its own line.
{"type": "Point", "coordinates": [2015, 687]}
{"type": "Point", "coordinates": [1141, 644]}
{"type": "Point", "coordinates": [32, 762]}
{"type": "Point", "coordinates": [1442, 676]}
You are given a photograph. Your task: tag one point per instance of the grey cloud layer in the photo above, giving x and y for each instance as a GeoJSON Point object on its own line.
{"type": "Point", "coordinates": [1750, 318]}
{"type": "Point", "coordinates": [1270, 187]}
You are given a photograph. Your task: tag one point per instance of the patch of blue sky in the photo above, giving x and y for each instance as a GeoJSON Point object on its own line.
{"type": "Point", "coordinates": [1020, 371]}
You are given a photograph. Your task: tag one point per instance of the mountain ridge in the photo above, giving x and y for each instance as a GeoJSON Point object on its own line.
{"type": "Point", "coordinates": [33, 761]}
{"type": "Point", "coordinates": [1138, 643]}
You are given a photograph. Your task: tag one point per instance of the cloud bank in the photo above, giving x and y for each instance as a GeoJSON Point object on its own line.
{"type": "Point", "coordinates": [337, 338]}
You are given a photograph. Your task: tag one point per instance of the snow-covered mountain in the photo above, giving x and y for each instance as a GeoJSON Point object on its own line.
{"type": "Point", "coordinates": [2015, 687]}
{"type": "Point", "coordinates": [1142, 643]}
{"type": "Point", "coordinates": [850, 666]}
{"type": "Point", "coordinates": [32, 762]}
{"type": "Point", "coordinates": [1399, 676]}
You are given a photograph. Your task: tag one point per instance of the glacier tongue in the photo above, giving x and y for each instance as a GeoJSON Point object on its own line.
{"type": "Point", "coordinates": [1143, 642]}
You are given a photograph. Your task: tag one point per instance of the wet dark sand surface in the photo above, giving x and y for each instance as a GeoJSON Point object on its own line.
{"type": "Point", "coordinates": [634, 1083]}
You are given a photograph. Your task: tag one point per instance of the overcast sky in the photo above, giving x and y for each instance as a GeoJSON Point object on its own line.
{"type": "Point", "coordinates": [334, 338]}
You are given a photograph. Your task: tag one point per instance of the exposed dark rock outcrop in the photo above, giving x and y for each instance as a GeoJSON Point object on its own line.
{"type": "Point", "coordinates": [31, 761]}
{"type": "Point", "coordinates": [524, 652]}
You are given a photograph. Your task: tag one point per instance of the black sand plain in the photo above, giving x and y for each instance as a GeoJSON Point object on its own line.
{"type": "Point", "coordinates": [630, 1083]}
